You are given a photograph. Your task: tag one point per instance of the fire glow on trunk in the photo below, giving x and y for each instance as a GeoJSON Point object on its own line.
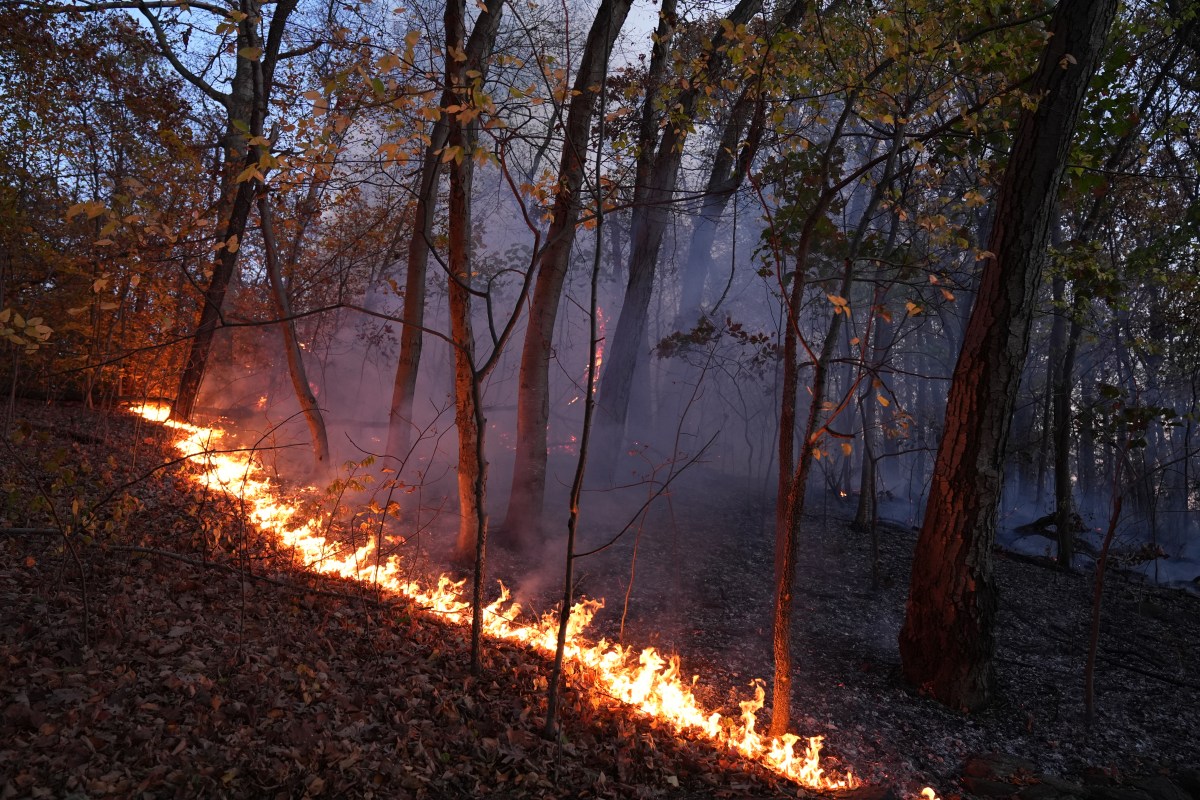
{"type": "Point", "coordinates": [646, 681]}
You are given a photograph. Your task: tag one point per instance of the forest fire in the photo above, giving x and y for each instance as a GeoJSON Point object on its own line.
{"type": "Point", "coordinates": [646, 681]}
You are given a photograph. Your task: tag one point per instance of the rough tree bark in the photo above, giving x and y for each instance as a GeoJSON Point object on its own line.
{"type": "Point", "coordinates": [947, 641]}
{"type": "Point", "coordinates": [533, 391]}
{"type": "Point", "coordinates": [412, 337]}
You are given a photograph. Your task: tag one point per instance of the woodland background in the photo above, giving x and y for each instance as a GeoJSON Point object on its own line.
{"type": "Point", "coordinates": [940, 262]}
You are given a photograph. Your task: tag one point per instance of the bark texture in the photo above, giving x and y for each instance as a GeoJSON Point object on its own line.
{"type": "Point", "coordinates": [947, 641]}
{"type": "Point", "coordinates": [468, 414]}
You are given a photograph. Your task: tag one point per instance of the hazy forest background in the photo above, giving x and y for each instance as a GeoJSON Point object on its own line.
{"type": "Point", "coordinates": [516, 259]}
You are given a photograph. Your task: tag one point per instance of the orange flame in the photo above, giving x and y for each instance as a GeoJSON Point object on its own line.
{"type": "Point", "coordinates": [646, 681]}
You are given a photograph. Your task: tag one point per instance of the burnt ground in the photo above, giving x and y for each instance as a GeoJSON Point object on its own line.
{"type": "Point", "coordinates": [702, 589]}
{"type": "Point", "coordinates": [212, 667]}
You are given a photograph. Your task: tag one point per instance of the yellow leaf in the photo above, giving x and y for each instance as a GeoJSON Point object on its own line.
{"type": "Point", "coordinates": [846, 448]}
{"type": "Point", "coordinates": [949, 295]}
{"type": "Point", "coordinates": [250, 53]}
{"type": "Point", "coordinates": [883, 401]}
{"type": "Point", "coordinates": [913, 308]}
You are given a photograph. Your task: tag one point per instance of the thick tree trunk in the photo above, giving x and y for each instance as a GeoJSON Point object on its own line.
{"type": "Point", "coordinates": [468, 416]}
{"type": "Point", "coordinates": [412, 337]}
{"type": "Point", "coordinates": [947, 642]}
{"type": "Point", "coordinates": [533, 411]}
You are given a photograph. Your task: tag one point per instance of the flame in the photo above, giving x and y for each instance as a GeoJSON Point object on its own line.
{"type": "Point", "coordinates": [646, 681]}
{"type": "Point", "coordinates": [599, 357]}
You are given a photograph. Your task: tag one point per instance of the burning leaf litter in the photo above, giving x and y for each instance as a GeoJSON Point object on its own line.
{"type": "Point", "coordinates": [645, 681]}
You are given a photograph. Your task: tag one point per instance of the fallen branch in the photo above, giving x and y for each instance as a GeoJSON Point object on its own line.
{"type": "Point", "coordinates": [30, 532]}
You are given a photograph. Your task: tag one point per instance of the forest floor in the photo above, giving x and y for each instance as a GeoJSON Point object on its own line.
{"type": "Point", "coordinates": [170, 650]}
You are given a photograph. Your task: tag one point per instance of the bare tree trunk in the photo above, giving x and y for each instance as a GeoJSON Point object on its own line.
{"type": "Point", "coordinates": [793, 488]}
{"type": "Point", "coordinates": [533, 411]}
{"type": "Point", "coordinates": [655, 192]}
{"type": "Point", "coordinates": [947, 642]}
{"type": "Point", "coordinates": [291, 346]}
{"type": "Point", "coordinates": [1058, 338]}
{"type": "Point", "coordinates": [245, 104]}
{"type": "Point", "coordinates": [589, 409]}
{"type": "Point", "coordinates": [235, 212]}
{"type": "Point", "coordinates": [412, 336]}
{"type": "Point", "coordinates": [867, 512]}
{"type": "Point", "coordinates": [1063, 485]}
{"type": "Point", "coordinates": [467, 416]}
{"type": "Point", "coordinates": [731, 161]}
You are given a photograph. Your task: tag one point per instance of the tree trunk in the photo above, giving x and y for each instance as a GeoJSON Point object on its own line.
{"type": "Point", "coordinates": [651, 216]}
{"type": "Point", "coordinates": [234, 208]}
{"type": "Point", "coordinates": [291, 346]}
{"type": "Point", "coordinates": [793, 485]}
{"type": "Point", "coordinates": [472, 468]}
{"type": "Point", "coordinates": [947, 641]}
{"type": "Point", "coordinates": [412, 336]}
{"type": "Point", "coordinates": [245, 104]}
{"type": "Point", "coordinates": [731, 162]}
{"type": "Point", "coordinates": [533, 410]}
{"type": "Point", "coordinates": [1063, 486]}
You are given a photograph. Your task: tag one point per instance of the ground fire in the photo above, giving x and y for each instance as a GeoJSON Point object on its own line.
{"type": "Point", "coordinates": [645, 681]}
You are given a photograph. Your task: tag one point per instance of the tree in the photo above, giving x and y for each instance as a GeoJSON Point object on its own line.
{"type": "Point", "coordinates": [654, 192]}
{"type": "Point", "coordinates": [533, 411]}
{"type": "Point", "coordinates": [246, 105]}
{"type": "Point", "coordinates": [947, 641]}
{"type": "Point", "coordinates": [400, 413]}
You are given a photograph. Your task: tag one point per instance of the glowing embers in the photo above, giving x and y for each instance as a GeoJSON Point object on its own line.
{"type": "Point", "coordinates": [646, 681]}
